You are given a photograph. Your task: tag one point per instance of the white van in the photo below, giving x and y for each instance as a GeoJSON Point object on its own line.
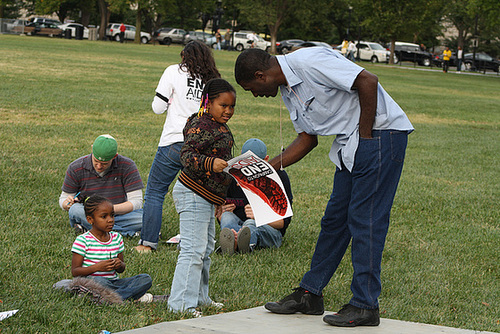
{"type": "Point", "coordinates": [242, 41]}
{"type": "Point", "coordinates": [372, 51]}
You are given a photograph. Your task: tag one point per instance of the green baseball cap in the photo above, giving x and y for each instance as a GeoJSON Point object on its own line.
{"type": "Point", "coordinates": [104, 148]}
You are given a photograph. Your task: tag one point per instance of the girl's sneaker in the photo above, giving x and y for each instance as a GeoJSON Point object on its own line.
{"type": "Point", "coordinates": [146, 298]}
{"type": "Point", "coordinates": [216, 305]}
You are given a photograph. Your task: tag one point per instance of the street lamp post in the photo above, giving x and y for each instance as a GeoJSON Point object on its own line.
{"type": "Point", "coordinates": [349, 22]}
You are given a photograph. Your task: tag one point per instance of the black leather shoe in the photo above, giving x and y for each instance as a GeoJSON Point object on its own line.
{"type": "Point", "coordinates": [351, 316]}
{"type": "Point", "coordinates": [300, 300]}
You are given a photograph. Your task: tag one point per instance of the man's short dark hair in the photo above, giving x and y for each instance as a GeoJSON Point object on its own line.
{"type": "Point", "coordinates": [249, 62]}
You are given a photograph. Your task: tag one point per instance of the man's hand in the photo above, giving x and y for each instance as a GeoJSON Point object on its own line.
{"type": "Point", "coordinates": [219, 165]}
{"type": "Point", "coordinates": [68, 202]}
{"type": "Point", "coordinates": [219, 210]}
{"type": "Point", "coordinates": [249, 212]}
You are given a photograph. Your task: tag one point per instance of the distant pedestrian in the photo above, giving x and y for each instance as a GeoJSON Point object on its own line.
{"type": "Point", "coordinates": [460, 54]}
{"type": "Point", "coordinates": [351, 49]}
{"type": "Point", "coordinates": [446, 59]}
{"type": "Point", "coordinates": [227, 39]}
{"type": "Point", "coordinates": [122, 32]}
{"type": "Point", "coordinates": [345, 45]}
{"type": "Point", "coordinates": [218, 39]}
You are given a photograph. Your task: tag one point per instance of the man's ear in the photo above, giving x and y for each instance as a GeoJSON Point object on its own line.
{"type": "Point", "coordinates": [266, 158]}
{"type": "Point", "coordinates": [260, 76]}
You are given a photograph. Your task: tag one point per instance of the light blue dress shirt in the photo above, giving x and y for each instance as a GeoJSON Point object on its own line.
{"type": "Point", "coordinates": [321, 102]}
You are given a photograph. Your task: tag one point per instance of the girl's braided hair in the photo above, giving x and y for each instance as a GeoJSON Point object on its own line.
{"type": "Point", "coordinates": [212, 90]}
{"type": "Point", "coordinates": [91, 203]}
{"type": "Point", "coordinates": [198, 60]}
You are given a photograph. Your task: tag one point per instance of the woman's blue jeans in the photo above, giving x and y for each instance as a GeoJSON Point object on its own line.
{"type": "Point", "coordinates": [359, 210]}
{"type": "Point", "coordinates": [128, 288]}
{"type": "Point", "coordinates": [166, 165]}
{"type": "Point", "coordinates": [197, 228]}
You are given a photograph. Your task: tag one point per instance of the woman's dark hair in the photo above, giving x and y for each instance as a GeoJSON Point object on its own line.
{"type": "Point", "coordinates": [198, 60]}
{"type": "Point", "coordinates": [91, 203]}
{"type": "Point", "coordinates": [212, 90]}
{"type": "Point", "coordinates": [249, 62]}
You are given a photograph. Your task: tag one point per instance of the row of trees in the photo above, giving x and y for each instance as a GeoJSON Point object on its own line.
{"type": "Point", "coordinates": [326, 20]}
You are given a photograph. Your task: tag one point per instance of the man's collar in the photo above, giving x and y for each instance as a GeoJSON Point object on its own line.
{"type": "Point", "coordinates": [291, 78]}
{"type": "Point", "coordinates": [87, 164]}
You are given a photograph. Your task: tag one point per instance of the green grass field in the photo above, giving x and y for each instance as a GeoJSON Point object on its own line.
{"type": "Point", "coordinates": [441, 262]}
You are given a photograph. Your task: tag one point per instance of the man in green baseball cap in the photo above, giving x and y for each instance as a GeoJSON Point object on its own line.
{"type": "Point", "coordinates": [109, 174]}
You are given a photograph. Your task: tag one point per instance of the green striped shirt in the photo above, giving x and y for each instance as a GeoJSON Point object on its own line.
{"type": "Point", "coordinates": [95, 251]}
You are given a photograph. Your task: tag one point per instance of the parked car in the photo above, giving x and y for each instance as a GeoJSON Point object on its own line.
{"type": "Point", "coordinates": [286, 45]}
{"type": "Point", "coordinates": [47, 29]}
{"type": "Point", "coordinates": [483, 62]}
{"type": "Point", "coordinates": [170, 35]}
{"type": "Point", "coordinates": [200, 36]}
{"type": "Point", "coordinates": [44, 20]}
{"type": "Point", "coordinates": [372, 51]}
{"type": "Point", "coordinates": [309, 44]}
{"type": "Point", "coordinates": [411, 52]}
{"type": "Point", "coordinates": [73, 27]}
{"type": "Point", "coordinates": [242, 41]}
{"type": "Point", "coordinates": [15, 23]}
{"type": "Point", "coordinates": [113, 32]}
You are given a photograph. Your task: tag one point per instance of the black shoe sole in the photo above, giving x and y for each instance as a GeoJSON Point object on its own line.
{"type": "Point", "coordinates": [334, 321]}
{"type": "Point", "coordinates": [280, 309]}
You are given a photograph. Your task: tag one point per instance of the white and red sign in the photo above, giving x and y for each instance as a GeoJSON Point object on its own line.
{"type": "Point", "coordinates": [262, 187]}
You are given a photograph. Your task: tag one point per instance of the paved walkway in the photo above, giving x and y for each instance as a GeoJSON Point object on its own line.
{"type": "Point", "coordinates": [258, 320]}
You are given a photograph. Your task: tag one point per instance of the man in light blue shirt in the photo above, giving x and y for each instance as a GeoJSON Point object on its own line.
{"type": "Point", "coordinates": [326, 95]}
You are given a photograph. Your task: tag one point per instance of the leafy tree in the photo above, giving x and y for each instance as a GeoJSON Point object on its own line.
{"type": "Point", "coordinates": [9, 9]}
{"type": "Point", "coordinates": [402, 20]}
{"type": "Point", "coordinates": [266, 14]}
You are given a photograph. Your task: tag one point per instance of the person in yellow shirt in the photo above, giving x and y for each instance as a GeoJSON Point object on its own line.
{"type": "Point", "coordinates": [446, 59]}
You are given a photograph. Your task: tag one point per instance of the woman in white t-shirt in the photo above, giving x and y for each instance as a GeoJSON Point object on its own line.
{"type": "Point", "coordinates": [178, 93]}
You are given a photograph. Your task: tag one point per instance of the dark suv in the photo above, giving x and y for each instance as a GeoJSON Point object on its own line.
{"type": "Point", "coordinates": [483, 62]}
{"type": "Point", "coordinates": [411, 52]}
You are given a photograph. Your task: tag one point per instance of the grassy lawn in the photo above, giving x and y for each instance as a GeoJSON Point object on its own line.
{"type": "Point", "coordinates": [441, 262]}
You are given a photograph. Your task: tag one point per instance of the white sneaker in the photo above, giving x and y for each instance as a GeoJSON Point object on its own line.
{"type": "Point", "coordinates": [197, 314]}
{"type": "Point", "coordinates": [216, 305]}
{"type": "Point", "coordinates": [146, 298]}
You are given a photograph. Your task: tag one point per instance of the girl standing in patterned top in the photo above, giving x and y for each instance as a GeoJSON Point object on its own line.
{"type": "Point", "coordinates": [202, 186]}
{"type": "Point", "coordinates": [98, 254]}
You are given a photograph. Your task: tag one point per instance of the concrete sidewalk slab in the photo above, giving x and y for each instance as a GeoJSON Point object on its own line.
{"type": "Point", "coordinates": [259, 320]}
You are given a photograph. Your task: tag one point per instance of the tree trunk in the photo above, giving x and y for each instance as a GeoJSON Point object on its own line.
{"type": "Point", "coordinates": [391, 56]}
{"type": "Point", "coordinates": [138, 23]}
{"type": "Point", "coordinates": [104, 12]}
{"type": "Point", "coordinates": [273, 31]}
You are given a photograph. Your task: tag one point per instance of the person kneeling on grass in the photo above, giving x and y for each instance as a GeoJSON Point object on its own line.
{"type": "Point", "coordinates": [98, 255]}
{"type": "Point", "coordinates": [236, 217]}
{"type": "Point", "coordinates": [111, 175]}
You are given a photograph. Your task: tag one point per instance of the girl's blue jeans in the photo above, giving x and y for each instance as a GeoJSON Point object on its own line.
{"type": "Point", "coordinates": [197, 230]}
{"type": "Point", "coordinates": [166, 165]}
{"type": "Point", "coordinates": [128, 288]}
{"type": "Point", "coordinates": [358, 211]}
